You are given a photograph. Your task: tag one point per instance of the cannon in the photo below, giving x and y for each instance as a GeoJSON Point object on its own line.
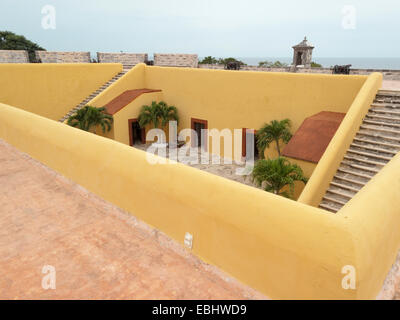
{"type": "Point", "coordinates": [232, 65]}
{"type": "Point", "coordinates": [341, 69]}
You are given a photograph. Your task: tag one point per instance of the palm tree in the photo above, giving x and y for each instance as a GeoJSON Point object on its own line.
{"type": "Point", "coordinates": [149, 115]}
{"type": "Point", "coordinates": [274, 174]}
{"type": "Point", "coordinates": [90, 117]}
{"type": "Point", "coordinates": [167, 113]}
{"type": "Point", "coordinates": [157, 113]}
{"type": "Point", "coordinates": [274, 131]}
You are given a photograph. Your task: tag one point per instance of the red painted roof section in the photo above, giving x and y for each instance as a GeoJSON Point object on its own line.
{"type": "Point", "coordinates": [124, 99]}
{"type": "Point", "coordinates": [313, 137]}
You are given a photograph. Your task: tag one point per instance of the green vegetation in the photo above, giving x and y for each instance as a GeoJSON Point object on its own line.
{"type": "Point", "coordinates": [157, 113]}
{"type": "Point", "coordinates": [89, 118]}
{"type": "Point", "coordinates": [209, 60]}
{"type": "Point", "coordinates": [11, 41]}
{"type": "Point", "coordinates": [275, 174]}
{"type": "Point", "coordinates": [315, 65]}
{"type": "Point", "coordinates": [269, 64]}
{"type": "Point", "coordinates": [275, 131]}
{"type": "Point", "coordinates": [222, 61]}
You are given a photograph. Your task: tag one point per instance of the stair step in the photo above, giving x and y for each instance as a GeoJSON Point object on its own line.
{"type": "Point", "coordinates": [329, 208]}
{"type": "Point", "coordinates": [368, 154]}
{"type": "Point", "coordinates": [385, 92]}
{"type": "Point", "coordinates": [378, 135]}
{"type": "Point", "coordinates": [361, 167]}
{"type": "Point", "coordinates": [355, 173]}
{"type": "Point", "coordinates": [391, 145]}
{"type": "Point", "coordinates": [384, 111]}
{"type": "Point", "coordinates": [385, 102]}
{"type": "Point", "coordinates": [332, 199]}
{"type": "Point", "coordinates": [388, 124]}
{"type": "Point", "coordinates": [360, 183]}
{"type": "Point", "coordinates": [379, 129]}
{"type": "Point", "coordinates": [364, 160]}
{"type": "Point", "coordinates": [345, 186]}
{"type": "Point", "coordinates": [380, 117]}
{"type": "Point", "coordinates": [373, 148]}
{"type": "Point", "coordinates": [341, 193]}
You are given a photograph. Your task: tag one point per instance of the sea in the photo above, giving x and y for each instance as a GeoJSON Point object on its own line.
{"type": "Point", "coordinates": [356, 63]}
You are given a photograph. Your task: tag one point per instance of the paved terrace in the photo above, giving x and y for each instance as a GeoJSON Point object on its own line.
{"type": "Point", "coordinates": [99, 251]}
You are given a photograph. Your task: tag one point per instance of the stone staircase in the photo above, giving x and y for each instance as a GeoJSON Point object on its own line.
{"type": "Point", "coordinates": [376, 143]}
{"type": "Point", "coordinates": [93, 95]}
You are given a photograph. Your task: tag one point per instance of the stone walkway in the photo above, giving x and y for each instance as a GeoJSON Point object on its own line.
{"type": "Point", "coordinates": [98, 251]}
{"type": "Point", "coordinates": [390, 85]}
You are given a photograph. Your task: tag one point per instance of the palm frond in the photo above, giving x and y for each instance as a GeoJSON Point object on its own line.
{"type": "Point", "coordinates": [276, 174]}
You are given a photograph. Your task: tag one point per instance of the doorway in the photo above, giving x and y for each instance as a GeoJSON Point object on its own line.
{"type": "Point", "coordinates": [299, 60]}
{"type": "Point", "coordinates": [200, 127]}
{"type": "Point", "coordinates": [137, 135]}
{"type": "Point", "coordinates": [249, 144]}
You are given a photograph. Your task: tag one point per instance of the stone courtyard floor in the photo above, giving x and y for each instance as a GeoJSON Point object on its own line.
{"type": "Point", "coordinates": [98, 251]}
{"type": "Point", "coordinates": [205, 163]}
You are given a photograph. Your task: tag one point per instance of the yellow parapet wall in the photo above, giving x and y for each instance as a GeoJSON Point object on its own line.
{"type": "Point", "coordinates": [333, 156]}
{"type": "Point", "coordinates": [51, 90]}
{"type": "Point", "coordinates": [373, 216]}
{"type": "Point", "coordinates": [283, 248]}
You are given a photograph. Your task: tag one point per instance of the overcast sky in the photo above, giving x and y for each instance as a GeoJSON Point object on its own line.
{"type": "Point", "coordinates": [247, 28]}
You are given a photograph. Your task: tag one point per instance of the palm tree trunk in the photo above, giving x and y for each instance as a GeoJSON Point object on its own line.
{"type": "Point", "coordinates": [277, 147]}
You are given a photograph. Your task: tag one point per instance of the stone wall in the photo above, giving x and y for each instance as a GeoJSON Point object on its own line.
{"type": "Point", "coordinates": [387, 74]}
{"type": "Point", "coordinates": [176, 60]}
{"type": "Point", "coordinates": [127, 59]}
{"type": "Point", "coordinates": [63, 57]}
{"type": "Point", "coordinates": [14, 56]}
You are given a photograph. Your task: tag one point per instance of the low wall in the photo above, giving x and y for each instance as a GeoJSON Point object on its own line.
{"type": "Point", "coordinates": [14, 56]}
{"type": "Point", "coordinates": [176, 60]}
{"type": "Point", "coordinates": [63, 57]}
{"type": "Point", "coordinates": [387, 74]}
{"type": "Point", "coordinates": [333, 156]}
{"type": "Point", "coordinates": [126, 59]}
{"type": "Point", "coordinates": [284, 249]}
{"type": "Point", "coordinates": [271, 245]}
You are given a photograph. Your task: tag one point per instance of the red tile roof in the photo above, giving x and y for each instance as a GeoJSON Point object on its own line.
{"type": "Point", "coordinates": [312, 138]}
{"type": "Point", "coordinates": [124, 99]}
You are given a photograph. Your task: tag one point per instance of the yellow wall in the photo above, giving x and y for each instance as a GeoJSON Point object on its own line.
{"type": "Point", "coordinates": [133, 79]}
{"type": "Point", "coordinates": [51, 90]}
{"type": "Point", "coordinates": [283, 248]}
{"type": "Point", "coordinates": [333, 156]}
{"type": "Point", "coordinates": [236, 100]}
